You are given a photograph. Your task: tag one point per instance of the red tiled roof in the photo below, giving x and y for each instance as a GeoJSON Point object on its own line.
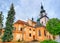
{"type": "Point", "coordinates": [23, 22]}
{"type": "Point", "coordinates": [20, 22]}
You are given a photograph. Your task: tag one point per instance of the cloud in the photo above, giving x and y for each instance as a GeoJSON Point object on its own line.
{"type": "Point", "coordinates": [30, 8]}
{"type": "Point", "coordinates": [27, 9]}
{"type": "Point", "coordinates": [52, 7]}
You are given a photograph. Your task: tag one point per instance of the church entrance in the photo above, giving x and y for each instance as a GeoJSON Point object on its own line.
{"type": "Point", "coordinates": [33, 37]}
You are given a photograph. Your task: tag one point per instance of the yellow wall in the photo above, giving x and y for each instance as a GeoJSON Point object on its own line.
{"type": "Point", "coordinates": [26, 30]}
{"type": "Point", "coordinates": [34, 33]}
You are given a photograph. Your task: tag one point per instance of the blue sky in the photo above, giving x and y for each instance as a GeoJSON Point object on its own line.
{"type": "Point", "coordinates": [26, 9]}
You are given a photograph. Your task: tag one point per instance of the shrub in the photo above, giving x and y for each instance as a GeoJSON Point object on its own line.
{"type": "Point", "coordinates": [48, 41]}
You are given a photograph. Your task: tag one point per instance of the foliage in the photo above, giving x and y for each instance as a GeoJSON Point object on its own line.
{"type": "Point", "coordinates": [1, 20]}
{"type": "Point", "coordinates": [53, 26]}
{"type": "Point", "coordinates": [8, 36]}
{"type": "Point", "coordinates": [48, 41]}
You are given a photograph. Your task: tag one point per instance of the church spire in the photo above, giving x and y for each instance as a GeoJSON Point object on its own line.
{"type": "Point", "coordinates": [43, 16]}
{"type": "Point", "coordinates": [41, 6]}
{"type": "Point", "coordinates": [42, 9]}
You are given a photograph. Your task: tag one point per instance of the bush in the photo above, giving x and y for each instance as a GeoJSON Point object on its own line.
{"type": "Point", "coordinates": [48, 41]}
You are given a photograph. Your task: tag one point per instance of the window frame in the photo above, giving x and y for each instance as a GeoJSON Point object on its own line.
{"type": "Point", "coordinates": [29, 34]}
{"type": "Point", "coordinates": [39, 33]}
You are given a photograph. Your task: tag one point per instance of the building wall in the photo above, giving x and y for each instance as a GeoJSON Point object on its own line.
{"type": "Point", "coordinates": [18, 32]}
{"type": "Point", "coordinates": [17, 36]}
{"type": "Point", "coordinates": [31, 23]}
{"type": "Point", "coordinates": [29, 33]}
{"type": "Point", "coordinates": [42, 36]}
{"type": "Point", "coordinates": [43, 21]}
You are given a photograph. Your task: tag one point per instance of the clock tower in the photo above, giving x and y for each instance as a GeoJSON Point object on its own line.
{"type": "Point", "coordinates": [43, 16]}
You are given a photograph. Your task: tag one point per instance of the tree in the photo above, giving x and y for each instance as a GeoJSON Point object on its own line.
{"type": "Point", "coordinates": [1, 23]}
{"type": "Point", "coordinates": [53, 26]}
{"type": "Point", "coordinates": [48, 41]}
{"type": "Point", "coordinates": [8, 36]}
{"type": "Point", "coordinates": [1, 20]}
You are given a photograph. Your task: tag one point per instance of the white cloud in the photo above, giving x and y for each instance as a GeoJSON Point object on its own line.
{"type": "Point", "coordinates": [31, 8]}
{"type": "Point", "coordinates": [27, 9]}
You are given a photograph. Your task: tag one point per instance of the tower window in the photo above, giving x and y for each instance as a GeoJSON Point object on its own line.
{"type": "Point", "coordinates": [39, 33]}
{"type": "Point", "coordinates": [44, 33]}
{"type": "Point", "coordinates": [42, 22]}
{"type": "Point", "coordinates": [29, 34]}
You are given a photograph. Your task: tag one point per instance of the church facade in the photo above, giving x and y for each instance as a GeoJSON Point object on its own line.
{"type": "Point", "coordinates": [25, 32]}
{"type": "Point", "coordinates": [31, 30]}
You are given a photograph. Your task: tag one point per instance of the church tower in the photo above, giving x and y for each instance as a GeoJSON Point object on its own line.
{"type": "Point", "coordinates": [43, 16]}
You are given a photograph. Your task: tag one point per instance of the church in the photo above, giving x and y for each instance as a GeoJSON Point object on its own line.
{"type": "Point", "coordinates": [31, 30]}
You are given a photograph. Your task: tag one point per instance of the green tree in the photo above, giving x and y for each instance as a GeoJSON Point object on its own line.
{"type": "Point", "coordinates": [48, 41]}
{"type": "Point", "coordinates": [1, 20]}
{"type": "Point", "coordinates": [8, 36]}
{"type": "Point", "coordinates": [53, 26]}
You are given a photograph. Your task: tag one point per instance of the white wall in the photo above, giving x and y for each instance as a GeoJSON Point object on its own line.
{"type": "Point", "coordinates": [44, 20]}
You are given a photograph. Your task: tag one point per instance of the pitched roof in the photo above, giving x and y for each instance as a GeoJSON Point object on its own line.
{"type": "Point", "coordinates": [34, 22]}
{"type": "Point", "coordinates": [23, 22]}
{"type": "Point", "coordinates": [20, 22]}
{"type": "Point", "coordinates": [45, 16]}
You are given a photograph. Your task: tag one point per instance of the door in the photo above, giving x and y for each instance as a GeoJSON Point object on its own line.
{"type": "Point", "coordinates": [33, 37]}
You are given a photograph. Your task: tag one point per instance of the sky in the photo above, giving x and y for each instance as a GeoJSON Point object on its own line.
{"type": "Point", "coordinates": [26, 9]}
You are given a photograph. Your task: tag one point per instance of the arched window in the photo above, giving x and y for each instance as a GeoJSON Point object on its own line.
{"type": "Point", "coordinates": [30, 34]}
{"type": "Point", "coordinates": [42, 22]}
{"type": "Point", "coordinates": [20, 29]}
{"type": "Point", "coordinates": [49, 37]}
{"type": "Point", "coordinates": [33, 30]}
{"type": "Point", "coordinates": [53, 37]}
{"type": "Point", "coordinates": [44, 32]}
{"type": "Point", "coordinates": [30, 29]}
{"type": "Point", "coordinates": [39, 33]}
